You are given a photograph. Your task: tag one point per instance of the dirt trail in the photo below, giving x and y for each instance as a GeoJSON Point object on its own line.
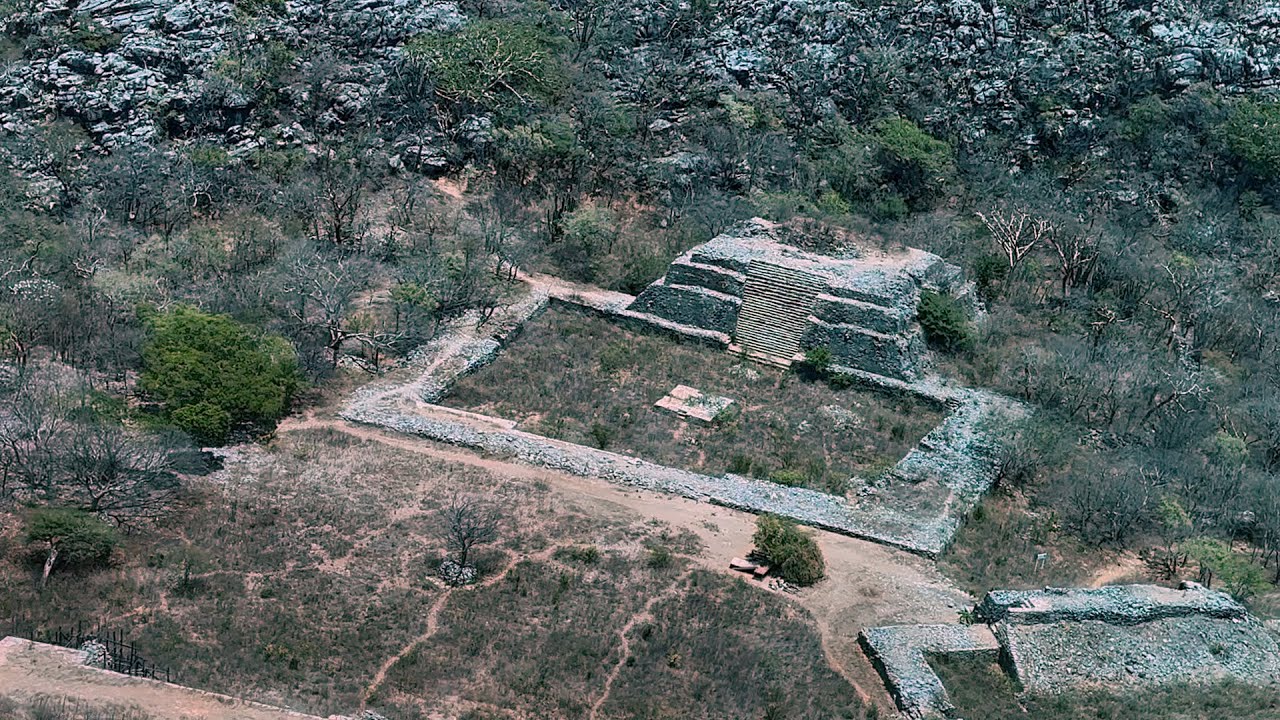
{"type": "Point", "coordinates": [868, 584]}
{"type": "Point", "coordinates": [433, 621]}
{"type": "Point", "coordinates": [624, 640]}
{"type": "Point", "coordinates": [1124, 568]}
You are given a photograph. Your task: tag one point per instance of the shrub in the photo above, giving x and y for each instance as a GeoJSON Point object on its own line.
{"type": "Point", "coordinates": [988, 272]}
{"type": "Point", "coordinates": [63, 537]}
{"type": "Point", "coordinates": [601, 435]}
{"type": "Point", "coordinates": [791, 551]}
{"type": "Point", "coordinates": [944, 322]}
{"type": "Point", "coordinates": [491, 63]}
{"type": "Point", "coordinates": [740, 464]}
{"type": "Point", "coordinates": [817, 362]}
{"type": "Point", "coordinates": [660, 558]}
{"type": "Point", "coordinates": [206, 422]}
{"type": "Point", "coordinates": [213, 374]}
{"type": "Point", "coordinates": [584, 554]}
{"type": "Point", "coordinates": [788, 477]}
{"type": "Point", "coordinates": [1250, 133]}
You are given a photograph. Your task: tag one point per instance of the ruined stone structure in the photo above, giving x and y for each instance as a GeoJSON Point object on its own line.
{"type": "Point", "coordinates": [1063, 639]}
{"type": "Point", "coordinates": [773, 301]}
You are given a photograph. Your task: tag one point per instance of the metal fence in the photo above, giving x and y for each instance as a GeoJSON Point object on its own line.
{"type": "Point", "coordinates": [118, 654]}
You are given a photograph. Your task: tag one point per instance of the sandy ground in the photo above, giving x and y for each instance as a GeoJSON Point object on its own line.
{"type": "Point", "coordinates": [30, 669]}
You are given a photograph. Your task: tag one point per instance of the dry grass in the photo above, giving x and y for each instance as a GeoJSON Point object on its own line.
{"type": "Point", "coordinates": [312, 569]}
{"type": "Point", "coordinates": [46, 707]}
{"type": "Point", "coordinates": [589, 381]}
{"type": "Point", "coordinates": [996, 548]}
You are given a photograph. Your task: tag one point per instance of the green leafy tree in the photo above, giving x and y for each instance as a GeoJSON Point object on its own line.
{"type": "Point", "coordinates": [67, 538]}
{"type": "Point", "coordinates": [789, 549]}
{"type": "Point", "coordinates": [1252, 134]}
{"type": "Point", "coordinates": [214, 375]}
{"type": "Point", "coordinates": [1218, 561]}
{"type": "Point", "coordinates": [919, 165]}
{"type": "Point", "coordinates": [944, 322]}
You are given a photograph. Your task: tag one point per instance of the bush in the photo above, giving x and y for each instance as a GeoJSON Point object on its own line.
{"type": "Point", "coordinates": [491, 63]}
{"type": "Point", "coordinates": [791, 551]}
{"type": "Point", "coordinates": [213, 374]}
{"type": "Point", "coordinates": [206, 422]}
{"type": "Point", "coordinates": [660, 558]}
{"type": "Point", "coordinates": [1251, 134]}
{"type": "Point", "coordinates": [944, 322]}
{"type": "Point", "coordinates": [64, 537]}
{"type": "Point", "coordinates": [817, 362]}
{"type": "Point", "coordinates": [788, 477]}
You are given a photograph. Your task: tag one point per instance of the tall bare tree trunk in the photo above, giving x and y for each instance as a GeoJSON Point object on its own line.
{"type": "Point", "coordinates": [48, 564]}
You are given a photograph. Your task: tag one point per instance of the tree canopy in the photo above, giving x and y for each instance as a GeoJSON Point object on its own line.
{"type": "Point", "coordinates": [214, 375]}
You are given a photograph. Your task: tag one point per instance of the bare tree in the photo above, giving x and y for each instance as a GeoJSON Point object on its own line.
{"type": "Point", "coordinates": [464, 523]}
{"type": "Point", "coordinates": [322, 294]}
{"type": "Point", "coordinates": [1017, 233]}
{"type": "Point", "coordinates": [1077, 254]}
{"type": "Point", "coordinates": [112, 472]}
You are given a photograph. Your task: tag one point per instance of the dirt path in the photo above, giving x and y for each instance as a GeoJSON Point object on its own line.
{"type": "Point", "coordinates": [868, 584]}
{"type": "Point", "coordinates": [433, 621]}
{"type": "Point", "coordinates": [624, 640]}
{"type": "Point", "coordinates": [1124, 568]}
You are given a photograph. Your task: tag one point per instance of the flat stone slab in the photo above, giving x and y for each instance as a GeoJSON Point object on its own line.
{"type": "Point", "coordinates": [693, 404]}
{"type": "Point", "coordinates": [1115, 604]}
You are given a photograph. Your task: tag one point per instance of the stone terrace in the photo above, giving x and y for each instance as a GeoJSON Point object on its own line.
{"type": "Point", "coordinates": [1056, 639]}
{"type": "Point", "coordinates": [860, 304]}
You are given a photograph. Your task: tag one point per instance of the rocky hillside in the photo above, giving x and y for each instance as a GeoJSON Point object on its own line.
{"type": "Point", "coordinates": [147, 70]}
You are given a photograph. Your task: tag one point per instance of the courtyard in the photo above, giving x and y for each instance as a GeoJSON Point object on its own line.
{"type": "Point", "coordinates": [580, 378]}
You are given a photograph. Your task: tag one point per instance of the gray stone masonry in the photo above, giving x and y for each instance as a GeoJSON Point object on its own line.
{"type": "Point", "coordinates": [1068, 655]}
{"type": "Point", "coordinates": [866, 307]}
{"type": "Point", "coordinates": [1065, 639]}
{"type": "Point", "coordinates": [1115, 604]}
{"type": "Point", "coordinates": [901, 653]}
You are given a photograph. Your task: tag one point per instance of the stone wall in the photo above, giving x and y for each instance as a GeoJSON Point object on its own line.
{"type": "Point", "coordinates": [900, 653]}
{"type": "Point", "coordinates": [689, 305]}
{"type": "Point", "coordinates": [1115, 604]}
{"type": "Point", "coordinates": [1067, 639]}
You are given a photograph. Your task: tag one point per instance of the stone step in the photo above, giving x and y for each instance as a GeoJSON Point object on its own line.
{"type": "Point", "coordinates": [776, 304]}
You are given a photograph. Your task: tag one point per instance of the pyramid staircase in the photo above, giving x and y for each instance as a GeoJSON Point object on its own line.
{"type": "Point", "coordinates": [776, 304]}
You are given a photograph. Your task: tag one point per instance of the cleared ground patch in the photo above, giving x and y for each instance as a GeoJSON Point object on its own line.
{"type": "Point", "coordinates": [584, 379]}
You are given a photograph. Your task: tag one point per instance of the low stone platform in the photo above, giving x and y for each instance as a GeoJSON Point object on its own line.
{"type": "Point", "coordinates": [901, 654]}
{"type": "Point", "coordinates": [693, 404]}
{"type": "Point", "coordinates": [1065, 639]}
{"type": "Point", "coordinates": [1061, 656]}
